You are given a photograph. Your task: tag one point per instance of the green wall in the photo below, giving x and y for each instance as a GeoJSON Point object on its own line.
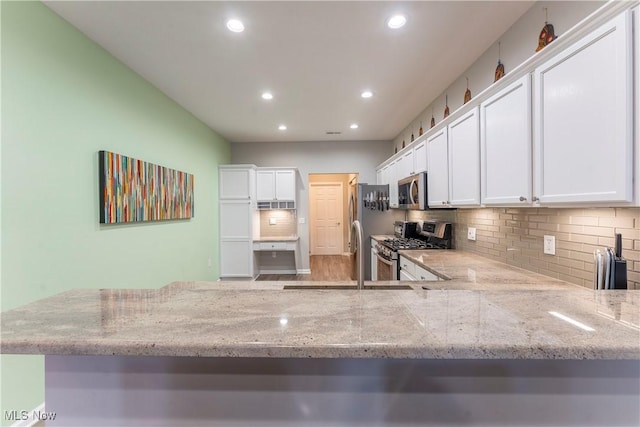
{"type": "Point", "coordinates": [64, 98]}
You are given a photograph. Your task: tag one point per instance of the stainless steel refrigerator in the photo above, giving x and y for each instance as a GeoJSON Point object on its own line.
{"type": "Point", "coordinates": [369, 204]}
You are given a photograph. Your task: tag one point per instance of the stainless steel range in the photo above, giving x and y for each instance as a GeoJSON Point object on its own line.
{"type": "Point", "coordinates": [410, 236]}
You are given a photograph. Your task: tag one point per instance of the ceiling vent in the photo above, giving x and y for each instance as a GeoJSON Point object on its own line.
{"type": "Point", "coordinates": [333, 132]}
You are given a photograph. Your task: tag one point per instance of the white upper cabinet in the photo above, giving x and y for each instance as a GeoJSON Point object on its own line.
{"type": "Point", "coordinates": [438, 167]}
{"type": "Point", "coordinates": [405, 165]}
{"type": "Point", "coordinates": [464, 160]}
{"type": "Point", "coordinates": [583, 119]}
{"type": "Point", "coordinates": [278, 184]}
{"type": "Point", "coordinates": [393, 183]}
{"type": "Point", "coordinates": [236, 182]}
{"type": "Point", "coordinates": [420, 157]}
{"type": "Point", "coordinates": [505, 138]}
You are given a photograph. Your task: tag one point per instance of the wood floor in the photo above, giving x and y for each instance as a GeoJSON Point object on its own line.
{"type": "Point", "coordinates": [323, 267]}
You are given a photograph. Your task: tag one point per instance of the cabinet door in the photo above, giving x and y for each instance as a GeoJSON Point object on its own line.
{"type": "Point", "coordinates": [285, 185]}
{"type": "Point", "coordinates": [235, 183]}
{"type": "Point", "coordinates": [406, 165]}
{"type": "Point", "coordinates": [438, 167]}
{"type": "Point", "coordinates": [265, 185]}
{"type": "Point", "coordinates": [393, 184]}
{"type": "Point", "coordinates": [583, 122]}
{"type": "Point", "coordinates": [406, 276]}
{"type": "Point", "coordinates": [236, 219]}
{"type": "Point", "coordinates": [505, 139]}
{"type": "Point", "coordinates": [236, 258]}
{"type": "Point", "coordinates": [420, 157]}
{"type": "Point", "coordinates": [464, 160]}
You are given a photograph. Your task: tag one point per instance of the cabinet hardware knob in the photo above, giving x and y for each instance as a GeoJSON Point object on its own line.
{"type": "Point", "coordinates": [535, 199]}
{"type": "Point", "coordinates": [523, 199]}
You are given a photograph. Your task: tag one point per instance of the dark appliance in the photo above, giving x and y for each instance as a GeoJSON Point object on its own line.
{"type": "Point", "coordinates": [412, 192]}
{"type": "Point", "coordinates": [409, 236]}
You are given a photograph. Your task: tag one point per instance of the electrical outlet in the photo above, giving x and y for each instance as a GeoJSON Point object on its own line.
{"type": "Point", "coordinates": [272, 221]}
{"type": "Point", "coordinates": [550, 245]}
{"type": "Point", "coordinates": [471, 233]}
{"type": "Point", "coordinates": [301, 221]}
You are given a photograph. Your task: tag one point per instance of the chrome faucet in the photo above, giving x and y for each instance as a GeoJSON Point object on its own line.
{"type": "Point", "coordinates": [358, 250]}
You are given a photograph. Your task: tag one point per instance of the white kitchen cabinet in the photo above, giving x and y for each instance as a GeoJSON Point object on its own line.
{"type": "Point", "coordinates": [420, 157]}
{"type": "Point", "coordinates": [404, 275]}
{"type": "Point", "coordinates": [236, 219]}
{"type": "Point", "coordinates": [414, 272]}
{"type": "Point", "coordinates": [236, 181]}
{"type": "Point", "coordinates": [278, 184]}
{"type": "Point", "coordinates": [425, 275]}
{"type": "Point", "coordinates": [236, 258]}
{"type": "Point", "coordinates": [438, 167]}
{"type": "Point", "coordinates": [374, 260]}
{"type": "Point", "coordinates": [464, 160]}
{"type": "Point", "coordinates": [505, 140]}
{"type": "Point", "coordinates": [405, 165]}
{"type": "Point", "coordinates": [393, 183]}
{"type": "Point", "coordinates": [239, 221]}
{"type": "Point", "coordinates": [583, 142]}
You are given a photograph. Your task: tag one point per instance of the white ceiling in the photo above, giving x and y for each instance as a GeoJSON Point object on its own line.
{"type": "Point", "coordinates": [315, 57]}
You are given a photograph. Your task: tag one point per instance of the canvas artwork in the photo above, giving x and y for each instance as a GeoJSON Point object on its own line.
{"type": "Point", "coordinates": [132, 190]}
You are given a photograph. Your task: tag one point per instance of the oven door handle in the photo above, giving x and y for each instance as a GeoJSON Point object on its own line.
{"type": "Point", "coordinates": [389, 263]}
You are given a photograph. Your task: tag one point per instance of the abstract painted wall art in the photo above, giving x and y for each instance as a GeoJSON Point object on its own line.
{"type": "Point", "coordinates": [133, 191]}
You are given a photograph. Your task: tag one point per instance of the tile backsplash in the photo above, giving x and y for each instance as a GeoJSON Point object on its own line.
{"type": "Point", "coordinates": [515, 236]}
{"type": "Point", "coordinates": [285, 223]}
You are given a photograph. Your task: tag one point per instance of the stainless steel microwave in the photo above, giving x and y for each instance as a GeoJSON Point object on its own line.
{"type": "Point", "coordinates": [412, 192]}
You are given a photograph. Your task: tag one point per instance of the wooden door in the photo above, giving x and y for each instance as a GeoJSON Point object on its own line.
{"type": "Point", "coordinates": [325, 209]}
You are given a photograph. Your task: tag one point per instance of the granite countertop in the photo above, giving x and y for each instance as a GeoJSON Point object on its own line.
{"type": "Point", "coordinates": [512, 320]}
{"type": "Point", "coordinates": [466, 271]}
{"type": "Point", "coordinates": [277, 239]}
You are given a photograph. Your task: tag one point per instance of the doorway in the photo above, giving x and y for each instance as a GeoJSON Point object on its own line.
{"type": "Point", "coordinates": [328, 213]}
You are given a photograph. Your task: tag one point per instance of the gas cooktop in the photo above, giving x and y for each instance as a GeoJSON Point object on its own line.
{"type": "Point", "coordinates": [409, 243]}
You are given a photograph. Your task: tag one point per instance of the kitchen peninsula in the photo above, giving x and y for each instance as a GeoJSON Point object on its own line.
{"type": "Point", "coordinates": [252, 353]}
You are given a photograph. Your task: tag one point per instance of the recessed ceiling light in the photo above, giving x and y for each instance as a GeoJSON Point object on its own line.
{"type": "Point", "coordinates": [396, 21]}
{"type": "Point", "coordinates": [366, 94]}
{"type": "Point", "coordinates": [282, 127]}
{"type": "Point", "coordinates": [354, 126]}
{"type": "Point", "coordinates": [267, 96]}
{"type": "Point", "coordinates": [235, 25]}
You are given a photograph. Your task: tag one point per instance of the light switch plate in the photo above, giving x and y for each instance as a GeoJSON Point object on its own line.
{"type": "Point", "coordinates": [550, 245]}
{"type": "Point", "coordinates": [301, 221]}
{"type": "Point", "coordinates": [272, 221]}
{"type": "Point", "coordinates": [471, 233]}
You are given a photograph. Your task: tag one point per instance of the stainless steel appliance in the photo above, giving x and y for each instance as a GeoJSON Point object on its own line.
{"type": "Point", "coordinates": [412, 192]}
{"type": "Point", "coordinates": [369, 204]}
{"type": "Point", "coordinates": [426, 235]}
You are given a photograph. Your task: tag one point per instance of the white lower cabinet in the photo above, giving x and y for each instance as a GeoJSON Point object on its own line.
{"type": "Point", "coordinates": [374, 260]}
{"type": "Point", "coordinates": [413, 272]}
{"type": "Point", "coordinates": [583, 119]}
{"type": "Point", "coordinates": [236, 258]}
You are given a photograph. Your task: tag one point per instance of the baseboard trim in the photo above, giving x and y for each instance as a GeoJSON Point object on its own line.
{"type": "Point", "coordinates": [32, 420]}
{"type": "Point", "coordinates": [278, 272]}
{"type": "Point", "coordinates": [304, 271]}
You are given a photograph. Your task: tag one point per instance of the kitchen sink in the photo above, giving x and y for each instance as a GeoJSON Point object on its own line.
{"type": "Point", "coordinates": [350, 287]}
